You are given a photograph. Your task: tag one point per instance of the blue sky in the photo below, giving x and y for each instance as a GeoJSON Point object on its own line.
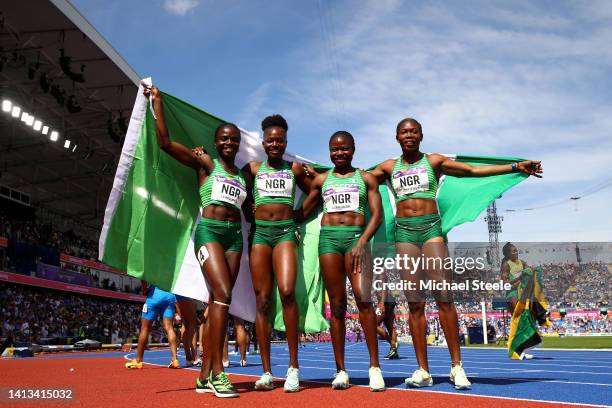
{"type": "Point", "coordinates": [527, 79]}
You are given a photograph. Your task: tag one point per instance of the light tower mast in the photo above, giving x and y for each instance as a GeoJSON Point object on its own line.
{"type": "Point", "coordinates": [494, 225]}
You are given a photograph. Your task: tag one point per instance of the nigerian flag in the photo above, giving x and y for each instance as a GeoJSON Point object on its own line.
{"type": "Point", "coordinates": [154, 207]}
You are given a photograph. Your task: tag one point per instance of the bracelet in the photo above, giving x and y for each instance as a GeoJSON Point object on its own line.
{"type": "Point", "coordinates": [514, 167]}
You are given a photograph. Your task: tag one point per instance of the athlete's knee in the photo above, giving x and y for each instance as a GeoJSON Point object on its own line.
{"type": "Point", "coordinates": [416, 308]}
{"type": "Point", "coordinates": [365, 307]}
{"type": "Point", "coordinates": [223, 294]}
{"type": "Point", "coordinates": [145, 326]}
{"type": "Point", "coordinates": [446, 307]}
{"type": "Point", "coordinates": [171, 334]}
{"type": "Point", "coordinates": [443, 297]}
{"type": "Point", "coordinates": [144, 333]}
{"type": "Point", "coordinates": [263, 302]}
{"type": "Point", "coordinates": [360, 299]}
{"type": "Point", "coordinates": [338, 309]}
{"type": "Point", "coordinates": [287, 295]}
{"type": "Point", "coordinates": [169, 330]}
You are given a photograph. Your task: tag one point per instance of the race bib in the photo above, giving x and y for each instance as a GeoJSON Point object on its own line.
{"type": "Point", "coordinates": [410, 181]}
{"type": "Point", "coordinates": [202, 255]}
{"type": "Point", "coordinates": [144, 308]}
{"type": "Point", "coordinates": [276, 184]}
{"type": "Point", "coordinates": [228, 191]}
{"type": "Point", "coordinates": [343, 197]}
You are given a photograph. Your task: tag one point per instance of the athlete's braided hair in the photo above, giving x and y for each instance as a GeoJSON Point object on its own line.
{"type": "Point", "coordinates": [274, 120]}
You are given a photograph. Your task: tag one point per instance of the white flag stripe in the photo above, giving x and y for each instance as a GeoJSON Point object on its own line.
{"type": "Point", "coordinates": [125, 162]}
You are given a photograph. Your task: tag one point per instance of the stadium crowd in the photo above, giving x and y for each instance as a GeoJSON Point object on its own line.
{"type": "Point", "coordinates": [31, 241]}
{"type": "Point", "coordinates": [31, 314]}
{"type": "Point", "coordinates": [37, 233]}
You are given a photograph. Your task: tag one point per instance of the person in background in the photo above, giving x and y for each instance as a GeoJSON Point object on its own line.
{"type": "Point", "coordinates": [159, 302]}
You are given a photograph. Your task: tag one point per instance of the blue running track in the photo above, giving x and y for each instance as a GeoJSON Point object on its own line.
{"type": "Point", "coordinates": [567, 376]}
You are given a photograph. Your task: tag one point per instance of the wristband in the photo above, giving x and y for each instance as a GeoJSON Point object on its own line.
{"type": "Point", "coordinates": [515, 167]}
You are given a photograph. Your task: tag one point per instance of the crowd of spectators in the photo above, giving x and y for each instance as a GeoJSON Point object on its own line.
{"type": "Point", "coordinates": [591, 283]}
{"type": "Point", "coordinates": [36, 232]}
{"type": "Point", "coordinates": [31, 241]}
{"type": "Point", "coordinates": [568, 287]}
{"type": "Point", "coordinates": [577, 325]}
{"type": "Point", "coordinates": [31, 314]}
{"type": "Point", "coordinates": [496, 327]}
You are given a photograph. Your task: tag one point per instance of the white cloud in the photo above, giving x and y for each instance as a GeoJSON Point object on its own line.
{"type": "Point", "coordinates": [252, 112]}
{"type": "Point", "coordinates": [180, 7]}
{"type": "Point", "coordinates": [559, 168]}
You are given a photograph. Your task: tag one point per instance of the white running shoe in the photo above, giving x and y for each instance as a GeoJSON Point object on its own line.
{"type": "Point", "coordinates": [265, 383]}
{"type": "Point", "coordinates": [197, 363]}
{"type": "Point", "coordinates": [292, 383]}
{"type": "Point", "coordinates": [341, 381]}
{"type": "Point", "coordinates": [243, 363]}
{"type": "Point", "coordinates": [526, 356]}
{"type": "Point", "coordinates": [420, 378]}
{"type": "Point", "coordinates": [377, 382]}
{"type": "Point", "coordinates": [459, 378]}
{"type": "Point", "coordinates": [226, 364]}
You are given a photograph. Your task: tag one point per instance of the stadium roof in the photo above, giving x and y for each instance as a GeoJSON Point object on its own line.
{"type": "Point", "coordinates": [86, 96]}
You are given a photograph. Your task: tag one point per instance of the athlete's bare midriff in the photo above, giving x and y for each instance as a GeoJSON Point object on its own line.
{"type": "Point", "coordinates": [347, 219]}
{"type": "Point", "coordinates": [221, 213]}
{"type": "Point", "coordinates": [274, 212]}
{"type": "Point", "coordinates": [416, 207]}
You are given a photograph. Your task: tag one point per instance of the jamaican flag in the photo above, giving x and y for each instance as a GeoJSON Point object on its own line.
{"type": "Point", "coordinates": [530, 312]}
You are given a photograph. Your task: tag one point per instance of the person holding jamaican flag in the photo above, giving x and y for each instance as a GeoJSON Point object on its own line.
{"type": "Point", "coordinates": [525, 301]}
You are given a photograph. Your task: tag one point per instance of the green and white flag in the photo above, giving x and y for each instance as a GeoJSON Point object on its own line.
{"type": "Point", "coordinates": [154, 207]}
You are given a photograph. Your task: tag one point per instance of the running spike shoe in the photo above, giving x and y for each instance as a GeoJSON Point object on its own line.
{"type": "Point", "coordinates": [420, 378]}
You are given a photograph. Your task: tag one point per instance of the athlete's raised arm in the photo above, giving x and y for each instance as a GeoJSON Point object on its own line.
{"type": "Point", "coordinates": [454, 168]}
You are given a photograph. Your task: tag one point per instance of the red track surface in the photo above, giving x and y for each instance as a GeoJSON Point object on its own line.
{"type": "Point", "coordinates": [105, 383]}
